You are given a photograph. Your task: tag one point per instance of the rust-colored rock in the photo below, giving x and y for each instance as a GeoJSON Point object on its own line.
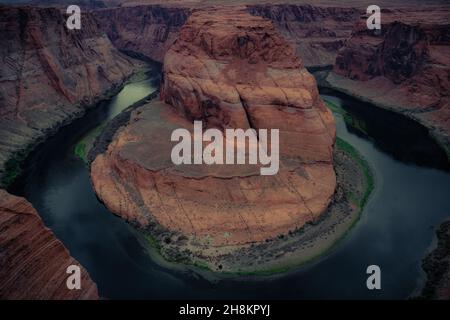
{"type": "Point", "coordinates": [228, 69]}
{"type": "Point", "coordinates": [49, 75]}
{"type": "Point", "coordinates": [316, 33]}
{"type": "Point", "coordinates": [33, 261]}
{"type": "Point", "coordinates": [405, 67]}
{"type": "Point", "coordinates": [437, 267]}
{"type": "Point", "coordinates": [144, 30]}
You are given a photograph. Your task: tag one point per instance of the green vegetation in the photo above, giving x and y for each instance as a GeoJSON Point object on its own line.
{"type": "Point", "coordinates": [13, 167]}
{"type": "Point", "coordinates": [80, 150]}
{"type": "Point", "coordinates": [346, 147]}
{"type": "Point", "coordinates": [334, 108]}
{"type": "Point", "coordinates": [83, 146]}
{"type": "Point", "coordinates": [354, 154]}
{"type": "Point", "coordinates": [152, 242]}
{"type": "Point", "coordinates": [353, 122]}
{"type": "Point", "coordinates": [12, 171]}
{"type": "Point", "coordinates": [359, 199]}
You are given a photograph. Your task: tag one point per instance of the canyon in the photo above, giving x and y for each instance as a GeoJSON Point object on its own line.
{"type": "Point", "coordinates": [405, 67]}
{"type": "Point", "coordinates": [49, 75]}
{"type": "Point", "coordinates": [147, 31]}
{"type": "Point", "coordinates": [241, 67]}
{"type": "Point", "coordinates": [228, 69]}
{"type": "Point", "coordinates": [316, 33]}
{"type": "Point", "coordinates": [365, 64]}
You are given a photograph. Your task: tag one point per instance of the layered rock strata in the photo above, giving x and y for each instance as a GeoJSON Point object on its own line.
{"type": "Point", "coordinates": [405, 67]}
{"type": "Point", "coordinates": [228, 69]}
{"type": "Point", "coordinates": [49, 75]}
{"type": "Point", "coordinates": [316, 33]}
{"type": "Point", "coordinates": [33, 262]}
{"type": "Point", "coordinates": [146, 30]}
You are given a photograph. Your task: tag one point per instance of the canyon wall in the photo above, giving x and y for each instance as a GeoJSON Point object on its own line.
{"type": "Point", "coordinates": [33, 262]}
{"type": "Point", "coordinates": [49, 75]}
{"type": "Point", "coordinates": [316, 33]}
{"type": "Point", "coordinates": [437, 267]}
{"type": "Point", "coordinates": [146, 30]}
{"type": "Point", "coordinates": [228, 69]}
{"type": "Point", "coordinates": [404, 67]}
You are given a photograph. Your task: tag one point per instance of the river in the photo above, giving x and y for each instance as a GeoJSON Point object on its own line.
{"type": "Point", "coordinates": [396, 228]}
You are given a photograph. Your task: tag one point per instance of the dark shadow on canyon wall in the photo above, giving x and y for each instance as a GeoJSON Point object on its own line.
{"type": "Point", "coordinates": [403, 138]}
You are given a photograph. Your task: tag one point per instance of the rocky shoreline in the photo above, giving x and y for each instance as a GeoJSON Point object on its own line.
{"type": "Point", "coordinates": [437, 267]}
{"type": "Point", "coordinates": [275, 255]}
{"type": "Point", "coordinates": [49, 78]}
{"type": "Point", "coordinates": [102, 141]}
{"type": "Point", "coordinates": [338, 83]}
{"type": "Point", "coordinates": [286, 251]}
{"type": "Point", "coordinates": [15, 161]}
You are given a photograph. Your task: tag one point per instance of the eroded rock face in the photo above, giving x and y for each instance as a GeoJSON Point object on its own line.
{"type": "Point", "coordinates": [146, 30]}
{"type": "Point", "coordinates": [33, 262]}
{"type": "Point", "coordinates": [437, 267]}
{"type": "Point", "coordinates": [49, 74]}
{"type": "Point", "coordinates": [405, 67]}
{"type": "Point", "coordinates": [228, 69]}
{"type": "Point", "coordinates": [316, 33]}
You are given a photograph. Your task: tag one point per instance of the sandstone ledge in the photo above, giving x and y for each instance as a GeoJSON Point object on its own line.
{"type": "Point", "coordinates": [33, 262]}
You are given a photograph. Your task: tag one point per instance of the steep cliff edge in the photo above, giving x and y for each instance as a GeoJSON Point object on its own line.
{"type": "Point", "coordinates": [146, 30]}
{"type": "Point", "coordinates": [33, 262]}
{"type": "Point", "coordinates": [437, 267]}
{"type": "Point", "coordinates": [316, 33]}
{"type": "Point", "coordinates": [405, 67]}
{"type": "Point", "coordinates": [227, 69]}
{"type": "Point", "coordinates": [48, 76]}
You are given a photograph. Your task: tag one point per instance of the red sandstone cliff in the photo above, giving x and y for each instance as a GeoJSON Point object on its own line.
{"type": "Point", "coordinates": [147, 30]}
{"type": "Point", "coordinates": [230, 70]}
{"type": "Point", "coordinates": [405, 67]}
{"type": "Point", "coordinates": [316, 33]}
{"type": "Point", "coordinates": [33, 262]}
{"type": "Point", "coordinates": [49, 74]}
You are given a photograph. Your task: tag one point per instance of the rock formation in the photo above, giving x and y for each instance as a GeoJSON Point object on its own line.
{"type": "Point", "coordinates": [146, 30]}
{"type": "Point", "coordinates": [437, 267]}
{"type": "Point", "coordinates": [48, 75]}
{"type": "Point", "coordinates": [33, 262]}
{"type": "Point", "coordinates": [405, 67]}
{"type": "Point", "coordinates": [316, 33]}
{"type": "Point", "coordinates": [228, 69]}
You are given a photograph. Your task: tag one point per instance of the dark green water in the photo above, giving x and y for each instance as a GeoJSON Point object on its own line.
{"type": "Point", "coordinates": [410, 199]}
